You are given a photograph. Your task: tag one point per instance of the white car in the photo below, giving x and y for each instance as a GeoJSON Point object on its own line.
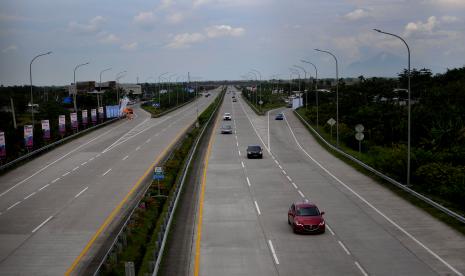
{"type": "Point", "coordinates": [227, 117]}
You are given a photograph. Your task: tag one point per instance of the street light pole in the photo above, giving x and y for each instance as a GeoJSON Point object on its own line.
{"type": "Point", "coordinates": [260, 85]}
{"type": "Point", "coordinates": [74, 82]}
{"type": "Point", "coordinates": [159, 81]}
{"type": "Point", "coordinates": [30, 79]}
{"type": "Point", "coordinates": [305, 71]}
{"type": "Point", "coordinates": [169, 87]}
{"type": "Point", "coordinates": [337, 94]}
{"type": "Point", "coordinates": [256, 80]}
{"type": "Point", "coordinates": [100, 85]}
{"type": "Point", "coordinates": [117, 78]}
{"type": "Point", "coordinates": [409, 103]}
{"type": "Point", "coordinates": [316, 88]}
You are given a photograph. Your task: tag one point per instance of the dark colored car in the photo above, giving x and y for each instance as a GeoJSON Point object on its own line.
{"type": "Point", "coordinates": [226, 129]}
{"type": "Point", "coordinates": [234, 100]}
{"type": "Point", "coordinates": [254, 151]}
{"type": "Point", "coordinates": [279, 116]}
{"type": "Point", "coordinates": [306, 218]}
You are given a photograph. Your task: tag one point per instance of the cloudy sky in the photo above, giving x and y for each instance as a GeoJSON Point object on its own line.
{"type": "Point", "coordinates": [224, 39]}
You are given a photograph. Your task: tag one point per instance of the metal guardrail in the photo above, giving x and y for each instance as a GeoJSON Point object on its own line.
{"type": "Point", "coordinates": [44, 148]}
{"type": "Point", "coordinates": [385, 177]}
{"type": "Point", "coordinates": [162, 236]}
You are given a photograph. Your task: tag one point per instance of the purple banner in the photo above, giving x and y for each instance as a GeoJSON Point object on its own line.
{"type": "Point", "coordinates": [93, 114]}
{"type": "Point", "coordinates": [46, 129]}
{"type": "Point", "coordinates": [101, 115]}
{"type": "Point", "coordinates": [62, 124]}
{"type": "Point", "coordinates": [28, 136]}
{"type": "Point", "coordinates": [74, 120]}
{"type": "Point", "coordinates": [84, 117]}
{"type": "Point", "coordinates": [2, 145]}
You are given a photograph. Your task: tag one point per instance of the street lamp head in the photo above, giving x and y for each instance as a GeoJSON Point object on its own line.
{"type": "Point", "coordinates": [378, 30]}
{"type": "Point", "coordinates": [48, 53]}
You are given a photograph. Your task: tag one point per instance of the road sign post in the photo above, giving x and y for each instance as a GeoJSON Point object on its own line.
{"type": "Point", "coordinates": [359, 136]}
{"type": "Point", "coordinates": [331, 122]}
{"type": "Point", "coordinates": [158, 175]}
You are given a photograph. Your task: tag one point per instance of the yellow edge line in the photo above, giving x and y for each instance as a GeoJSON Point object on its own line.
{"type": "Point", "coordinates": [115, 211]}
{"type": "Point", "coordinates": [202, 195]}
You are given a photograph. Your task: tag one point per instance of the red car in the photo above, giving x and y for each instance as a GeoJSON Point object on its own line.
{"type": "Point", "coordinates": [306, 218]}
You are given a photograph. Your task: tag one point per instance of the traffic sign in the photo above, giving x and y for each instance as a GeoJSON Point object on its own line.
{"type": "Point", "coordinates": [158, 174]}
{"type": "Point", "coordinates": [158, 169]}
{"type": "Point", "coordinates": [359, 136]}
{"type": "Point", "coordinates": [260, 102]}
{"type": "Point", "coordinates": [331, 122]}
{"type": "Point", "coordinates": [359, 128]}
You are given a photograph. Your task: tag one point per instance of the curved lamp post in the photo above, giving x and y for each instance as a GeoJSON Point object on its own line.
{"type": "Point", "coordinates": [30, 79]}
{"type": "Point", "coordinates": [316, 88]}
{"type": "Point", "coordinates": [74, 81]}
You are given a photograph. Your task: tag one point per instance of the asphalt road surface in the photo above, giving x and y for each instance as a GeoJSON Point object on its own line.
{"type": "Point", "coordinates": [243, 227]}
{"type": "Point", "coordinates": [52, 207]}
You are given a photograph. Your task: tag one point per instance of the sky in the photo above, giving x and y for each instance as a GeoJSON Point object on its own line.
{"type": "Point", "coordinates": [224, 39]}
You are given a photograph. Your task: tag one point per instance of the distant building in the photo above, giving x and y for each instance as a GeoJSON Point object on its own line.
{"type": "Point", "coordinates": [92, 87]}
{"type": "Point", "coordinates": [128, 88]}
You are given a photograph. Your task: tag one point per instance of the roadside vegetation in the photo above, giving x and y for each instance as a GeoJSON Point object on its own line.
{"type": "Point", "coordinates": [438, 129]}
{"type": "Point", "coordinates": [270, 97]}
{"type": "Point", "coordinates": [142, 236]}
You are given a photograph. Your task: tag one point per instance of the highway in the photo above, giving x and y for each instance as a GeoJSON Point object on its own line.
{"type": "Point", "coordinates": [56, 210]}
{"type": "Point", "coordinates": [242, 224]}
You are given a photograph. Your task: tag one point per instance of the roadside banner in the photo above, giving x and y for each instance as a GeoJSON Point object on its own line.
{"type": "Point", "coordinates": [101, 115]}
{"type": "Point", "coordinates": [93, 114]}
{"type": "Point", "coordinates": [2, 145]}
{"type": "Point", "coordinates": [112, 111]}
{"type": "Point", "coordinates": [28, 136]}
{"type": "Point", "coordinates": [46, 129]}
{"type": "Point", "coordinates": [84, 117]}
{"type": "Point", "coordinates": [62, 124]}
{"type": "Point", "coordinates": [74, 120]}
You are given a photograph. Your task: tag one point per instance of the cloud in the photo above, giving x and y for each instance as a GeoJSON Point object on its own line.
{"type": "Point", "coordinates": [448, 4]}
{"type": "Point", "coordinates": [11, 48]}
{"type": "Point", "coordinates": [357, 15]}
{"type": "Point", "coordinates": [9, 17]}
{"type": "Point", "coordinates": [92, 27]}
{"type": "Point", "coordinates": [145, 20]}
{"type": "Point", "coordinates": [449, 19]}
{"type": "Point", "coordinates": [223, 30]}
{"type": "Point", "coordinates": [109, 39]}
{"type": "Point", "coordinates": [185, 40]}
{"type": "Point", "coordinates": [130, 46]}
{"type": "Point", "coordinates": [165, 4]}
{"type": "Point", "coordinates": [175, 18]}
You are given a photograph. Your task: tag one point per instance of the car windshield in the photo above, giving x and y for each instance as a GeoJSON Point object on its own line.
{"type": "Point", "coordinates": [254, 148]}
{"type": "Point", "coordinates": [308, 211]}
{"type": "Point", "coordinates": [227, 127]}
{"type": "Point", "coordinates": [227, 114]}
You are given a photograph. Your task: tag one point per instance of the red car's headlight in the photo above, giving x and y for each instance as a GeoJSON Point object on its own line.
{"type": "Point", "coordinates": [298, 223]}
{"type": "Point", "coordinates": [322, 223]}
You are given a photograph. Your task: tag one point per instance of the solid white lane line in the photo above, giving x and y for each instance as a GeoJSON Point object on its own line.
{"type": "Point", "coordinates": [138, 148]}
{"type": "Point", "coordinates": [13, 205]}
{"type": "Point", "coordinates": [295, 186]}
{"type": "Point", "coordinates": [44, 187]}
{"type": "Point", "coordinates": [361, 269]}
{"type": "Point", "coordinates": [42, 224]}
{"type": "Point", "coordinates": [276, 161]}
{"type": "Point", "coordinates": [65, 174]}
{"type": "Point", "coordinates": [301, 194]}
{"type": "Point", "coordinates": [269, 147]}
{"type": "Point", "coordinates": [284, 172]}
{"type": "Point", "coordinates": [76, 168]}
{"type": "Point", "coordinates": [273, 252]}
{"type": "Point", "coordinates": [281, 167]}
{"type": "Point", "coordinates": [126, 157]}
{"type": "Point", "coordinates": [258, 208]}
{"type": "Point", "coordinates": [372, 206]}
{"type": "Point", "coordinates": [248, 181]}
{"type": "Point", "coordinates": [55, 180]}
{"type": "Point", "coordinates": [80, 193]}
{"type": "Point", "coordinates": [82, 164]}
{"type": "Point", "coordinates": [30, 195]}
{"type": "Point", "coordinates": [239, 152]}
{"type": "Point", "coordinates": [344, 247]}
{"type": "Point", "coordinates": [106, 172]}
{"type": "Point", "coordinates": [290, 179]}
{"type": "Point", "coordinates": [330, 230]}
{"type": "Point", "coordinates": [242, 163]}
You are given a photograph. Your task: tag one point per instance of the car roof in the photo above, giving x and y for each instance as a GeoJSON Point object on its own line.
{"type": "Point", "coordinates": [304, 204]}
{"type": "Point", "coordinates": [253, 146]}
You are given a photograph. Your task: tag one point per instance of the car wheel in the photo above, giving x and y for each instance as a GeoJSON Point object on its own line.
{"type": "Point", "coordinates": [288, 221]}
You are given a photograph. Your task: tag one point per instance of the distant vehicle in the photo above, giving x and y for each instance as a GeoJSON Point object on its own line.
{"type": "Point", "coordinates": [254, 151]}
{"type": "Point", "coordinates": [131, 102]}
{"type": "Point", "coordinates": [226, 129]}
{"type": "Point", "coordinates": [279, 116]}
{"type": "Point", "coordinates": [306, 218]}
{"type": "Point", "coordinates": [207, 95]}
{"type": "Point", "coordinates": [234, 100]}
{"type": "Point", "coordinates": [289, 104]}
{"type": "Point", "coordinates": [227, 117]}
{"type": "Point", "coordinates": [233, 96]}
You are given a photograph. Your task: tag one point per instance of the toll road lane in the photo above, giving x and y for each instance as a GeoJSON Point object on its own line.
{"type": "Point", "coordinates": [76, 205]}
